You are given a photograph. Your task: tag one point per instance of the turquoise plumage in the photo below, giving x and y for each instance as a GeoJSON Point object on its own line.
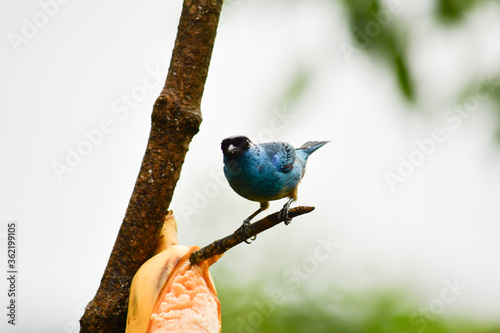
{"type": "Point", "coordinates": [267, 171]}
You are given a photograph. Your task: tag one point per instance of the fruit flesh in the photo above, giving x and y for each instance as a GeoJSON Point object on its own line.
{"type": "Point", "coordinates": [168, 288]}
{"type": "Point", "coordinates": [189, 306]}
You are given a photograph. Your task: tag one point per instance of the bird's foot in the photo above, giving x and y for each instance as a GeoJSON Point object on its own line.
{"type": "Point", "coordinates": [283, 215]}
{"type": "Point", "coordinates": [244, 230]}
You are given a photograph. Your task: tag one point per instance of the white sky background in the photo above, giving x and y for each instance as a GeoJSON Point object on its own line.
{"type": "Point", "coordinates": [441, 224]}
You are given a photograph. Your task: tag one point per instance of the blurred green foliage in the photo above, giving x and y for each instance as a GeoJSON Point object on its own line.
{"type": "Point", "coordinates": [297, 87]}
{"type": "Point", "coordinates": [484, 89]}
{"type": "Point", "coordinates": [454, 10]}
{"type": "Point", "coordinates": [248, 310]}
{"type": "Point", "coordinates": [375, 32]}
{"type": "Point", "coordinates": [379, 32]}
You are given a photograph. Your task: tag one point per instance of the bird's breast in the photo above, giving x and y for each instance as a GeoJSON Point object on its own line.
{"type": "Point", "coordinates": [261, 180]}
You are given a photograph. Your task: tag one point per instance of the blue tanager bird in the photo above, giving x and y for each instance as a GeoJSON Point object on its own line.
{"type": "Point", "coordinates": [265, 172]}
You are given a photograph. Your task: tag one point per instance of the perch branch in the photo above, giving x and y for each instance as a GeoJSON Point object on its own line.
{"type": "Point", "coordinates": [220, 246]}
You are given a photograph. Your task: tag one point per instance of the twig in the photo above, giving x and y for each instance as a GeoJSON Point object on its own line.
{"type": "Point", "coordinates": [220, 246]}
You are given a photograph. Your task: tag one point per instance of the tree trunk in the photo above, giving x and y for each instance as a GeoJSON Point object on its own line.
{"type": "Point", "coordinates": [175, 120]}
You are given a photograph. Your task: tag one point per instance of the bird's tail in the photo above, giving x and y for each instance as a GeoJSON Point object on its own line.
{"type": "Point", "coordinates": [311, 146]}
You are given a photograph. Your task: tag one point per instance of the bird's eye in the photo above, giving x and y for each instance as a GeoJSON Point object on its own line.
{"type": "Point", "coordinates": [232, 149]}
{"type": "Point", "coordinates": [235, 145]}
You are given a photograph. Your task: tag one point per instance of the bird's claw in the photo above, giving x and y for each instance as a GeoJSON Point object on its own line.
{"type": "Point", "coordinates": [244, 230]}
{"type": "Point", "coordinates": [283, 215]}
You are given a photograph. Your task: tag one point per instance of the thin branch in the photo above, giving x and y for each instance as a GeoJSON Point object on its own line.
{"type": "Point", "coordinates": [176, 118]}
{"type": "Point", "coordinates": [220, 246]}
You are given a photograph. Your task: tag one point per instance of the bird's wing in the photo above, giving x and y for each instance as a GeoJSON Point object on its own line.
{"type": "Point", "coordinates": [282, 155]}
{"type": "Point", "coordinates": [289, 157]}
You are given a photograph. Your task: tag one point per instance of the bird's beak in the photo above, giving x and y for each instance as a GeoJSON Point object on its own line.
{"type": "Point", "coordinates": [232, 149]}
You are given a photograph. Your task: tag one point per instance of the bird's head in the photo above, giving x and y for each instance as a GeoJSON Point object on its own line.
{"type": "Point", "coordinates": [235, 146]}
